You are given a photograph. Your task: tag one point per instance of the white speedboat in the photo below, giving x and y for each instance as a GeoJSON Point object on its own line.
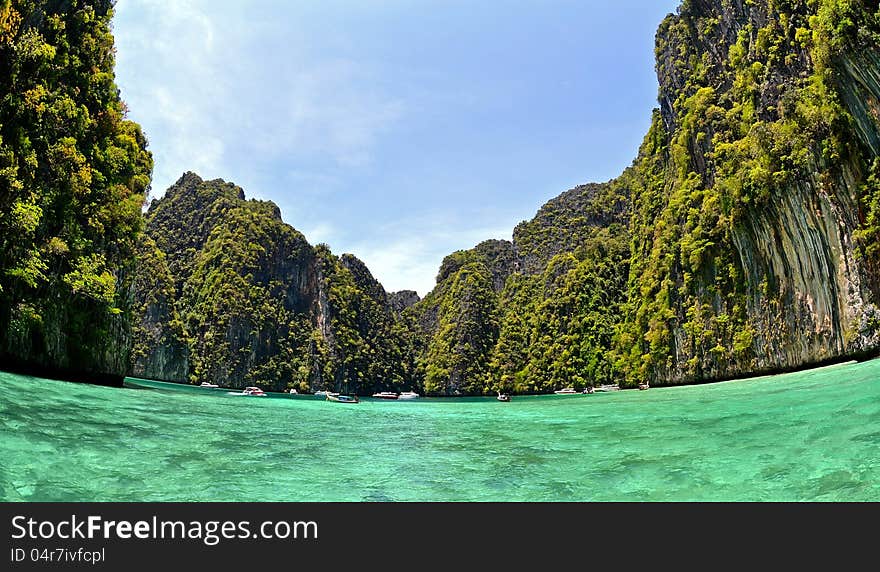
{"type": "Point", "coordinates": [250, 392]}
{"type": "Point", "coordinates": [207, 385]}
{"type": "Point", "coordinates": [408, 395]}
{"type": "Point", "coordinates": [503, 397]}
{"type": "Point", "coordinates": [607, 388]}
{"type": "Point", "coordinates": [386, 395]}
{"type": "Point", "coordinates": [566, 391]}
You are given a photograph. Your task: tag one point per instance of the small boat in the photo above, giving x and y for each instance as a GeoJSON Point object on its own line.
{"type": "Point", "coordinates": [503, 397]}
{"type": "Point", "coordinates": [589, 390]}
{"type": "Point", "coordinates": [337, 398]}
{"type": "Point", "coordinates": [644, 387]}
{"type": "Point", "coordinates": [250, 392]}
{"type": "Point", "coordinates": [607, 388]}
{"type": "Point", "coordinates": [385, 395]}
{"type": "Point", "coordinates": [293, 392]}
{"type": "Point", "coordinates": [321, 394]}
{"type": "Point", "coordinates": [408, 395]}
{"type": "Point", "coordinates": [207, 385]}
{"type": "Point", "coordinates": [566, 391]}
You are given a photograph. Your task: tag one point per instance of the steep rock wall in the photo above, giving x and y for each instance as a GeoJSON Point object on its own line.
{"type": "Point", "coordinates": [776, 136]}
{"type": "Point", "coordinates": [227, 292]}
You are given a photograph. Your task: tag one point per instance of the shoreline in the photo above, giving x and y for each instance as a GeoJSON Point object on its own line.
{"type": "Point", "coordinates": [825, 365]}
{"type": "Point", "coordinates": [855, 358]}
{"type": "Point", "coordinates": [119, 382]}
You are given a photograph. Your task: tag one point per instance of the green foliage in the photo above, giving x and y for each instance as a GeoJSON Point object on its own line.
{"type": "Point", "coordinates": [536, 315]}
{"type": "Point", "coordinates": [370, 349]}
{"type": "Point", "coordinates": [457, 357]}
{"type": "Point", "coordinates": [73, 175]}
{"type": "Point", "coordinates": [218, 283]}
{"type": "Point", "coordinates": [90, 278]}
{"type": "Point", "coordinates": [568, 222]}
{"type": "Point", "coordinates": [734, 137]}
{"type": "Point", "coordinates": [644, 278]}
{"type": "Point", "coordinates": [240, 298]}
{"type": "Point", "coordinates": [868, 236]}
{"type": "Point", "coordinates": [558, 327]}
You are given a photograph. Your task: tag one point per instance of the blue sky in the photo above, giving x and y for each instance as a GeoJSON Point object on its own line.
{"type": "Point", "coordinates": [399, 131]}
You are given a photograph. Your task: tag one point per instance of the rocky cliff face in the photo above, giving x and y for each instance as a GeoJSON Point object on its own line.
{"type": "Point", "coordinates": [228, 293]}
{"type": "Point", "coordinates": [566, 223]}
{"type": "Point", "coordinates": [73, 174]}
{"type": "Point", "coordinates": [159, 349]}
{"type": "Point", "coordinates": [753, 210]}
{"type": "Point", "coordinates": [744, 239]}
{"type": "Point", "coordinates": [364, 279]}
{"type": "Point", "coordinates": [746, 242]}
{"type": "Point", "coordinates": [520, 316]}
{"type": "Point", "coordinates": [225, 290]}
{"type": "Point", "coordinates": [402, 300]}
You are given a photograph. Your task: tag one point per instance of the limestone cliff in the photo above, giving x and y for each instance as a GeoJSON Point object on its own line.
{"type": "Point", "coordinates": [566, 223]}
{"type": "Point", "coordinates": [403, 299]}
{"type": "Point", "coordinates": [159, 349]}
{"type": "Point", "coordinates": [743, 239]}
{"type": "Point", "coordinates": [753, 178]}
{"type": "Point", "coordinates": [73, 174]}
{"type": "Point", "coordinates": [228, 293]}
{"type": "Point", "coordinates": [521, 316]}
{"type": "Point", "coordinates": [752, 214]}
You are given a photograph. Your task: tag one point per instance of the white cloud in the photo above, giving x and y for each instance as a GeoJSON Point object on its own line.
{"type": "Point", "coordinates": [326, 109]}
{"type": "Point", "coordinates": [411, 259]}
{"type": "Point", "coordinates": [222, 91]}
{"type": "Point", "coordinates": [321, 233]}
{"type": "Point", "coordinates": [198, 150]}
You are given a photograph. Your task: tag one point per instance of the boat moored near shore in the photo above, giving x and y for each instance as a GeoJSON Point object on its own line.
{"type": "Point", "coordinates": [250, 392]}
{"type": "Point", "coordinates": [608, 388]}
{"type": "Point", "coordinates": [337, 398]}
{"type": "Point", "coordinates": [566, 391]}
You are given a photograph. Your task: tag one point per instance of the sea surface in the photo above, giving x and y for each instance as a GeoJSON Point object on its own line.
{"type": "Point", "coordinates": [810, 436]}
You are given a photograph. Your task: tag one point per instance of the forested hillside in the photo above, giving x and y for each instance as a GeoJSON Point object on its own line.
{"type": "Point", "coordinates": [73, 175]}
{"type": "Point", "coordinates": [754, 225]}
{"type": "Point", "coordinates": [743, 239]}
{"type": "Point", "coordinates": [229, 293]}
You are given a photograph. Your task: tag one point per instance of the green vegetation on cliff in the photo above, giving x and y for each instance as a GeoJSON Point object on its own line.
{"type": "Point", "coordinates": [229, 293]}
{"type": "Point", "coordinates": [748, 193]}
{"type": "Point", "coordinates": [457, 357]}
{"type": "Point", "coordinates": [370, 349]}
{"type": "Point", "coordinates": [73, 176]}
{"type": "Point", "coordinates": [743, 239]}
{"type": "Point", "coordinates": [537, 314]}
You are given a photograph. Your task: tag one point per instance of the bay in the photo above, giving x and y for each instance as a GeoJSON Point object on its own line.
{"type": "Point", "coordinates": [808, 436]}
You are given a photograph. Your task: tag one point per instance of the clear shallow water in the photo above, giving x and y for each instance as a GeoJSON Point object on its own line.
{"type": "Point", "coordinates": [799, 437]}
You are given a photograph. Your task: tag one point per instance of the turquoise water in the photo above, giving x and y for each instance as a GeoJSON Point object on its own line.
{"type": "Point", "coordinates": [799, 437]}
